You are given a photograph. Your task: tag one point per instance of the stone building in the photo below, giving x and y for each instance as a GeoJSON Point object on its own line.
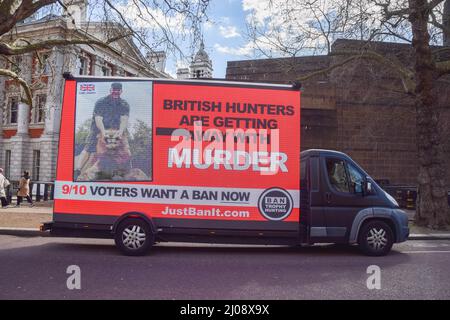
{"type": "Point", "coordinates": [29, 138]}
{"type": "Point", "coordinates": [360, 109]}
{"type": "Point", "coordinates": [200, 67]}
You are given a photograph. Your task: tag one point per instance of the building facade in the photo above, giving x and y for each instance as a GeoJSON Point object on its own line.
{"type": "Point", "coordinates": [360, 109]}
{"type": "Point", "coordinates": [200, 67]}
{"type": "Point", "coordinates": [29, 137]}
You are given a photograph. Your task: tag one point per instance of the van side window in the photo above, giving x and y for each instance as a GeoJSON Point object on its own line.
{"type": "Point", "coordinates": [356, 179]}
{"type": "Point", "coordinates": [337, 175]}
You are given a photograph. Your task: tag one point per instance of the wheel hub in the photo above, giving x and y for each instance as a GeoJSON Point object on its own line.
{"type": "Point", "coordinates": [133, 237]}
{"type": "Point", "coordinates": [376, 238]}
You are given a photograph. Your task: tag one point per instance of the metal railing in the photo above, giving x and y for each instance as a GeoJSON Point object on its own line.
{"type": "Point", "coordinates": [406, 196]}
{"type": "Point", "coordinates": [39, 190]}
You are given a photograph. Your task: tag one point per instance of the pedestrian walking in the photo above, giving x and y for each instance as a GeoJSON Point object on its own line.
{"type": "Point", "coordinates": [4, 183]}
{"type": "Point", "coordinates": [24, 189]}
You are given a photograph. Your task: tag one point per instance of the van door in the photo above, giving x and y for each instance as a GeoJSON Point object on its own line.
{"type": "Point", "coordinates": [343, 196]}
{"type": "Point", "coordinates": [312, 203]}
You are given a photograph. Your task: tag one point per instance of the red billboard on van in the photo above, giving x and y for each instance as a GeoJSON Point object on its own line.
{"type": "Point", "coordinates": [183, 154]}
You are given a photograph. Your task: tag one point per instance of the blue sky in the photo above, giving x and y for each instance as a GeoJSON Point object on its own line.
{"type": "Point", "coordinates": [224, 36]}
{"type": "Point", "coordinates": [226, 33]}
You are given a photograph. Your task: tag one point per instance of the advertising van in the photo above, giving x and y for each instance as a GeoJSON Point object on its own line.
{"type": "Point", "coordinates": [143, 161]}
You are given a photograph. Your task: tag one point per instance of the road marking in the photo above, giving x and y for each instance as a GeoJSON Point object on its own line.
{"type": "Point", "coordinates": [431, 245]}
{"type": "Point", "coordinates": [429, 235]}
{"type": "Point", "coordinates": [430, 251]}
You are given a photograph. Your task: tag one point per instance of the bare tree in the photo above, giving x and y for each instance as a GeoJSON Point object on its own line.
{"type": "Point", "coordinates": [150, 24]}
{"type": "Point", "coordinates": [421, 23]}
{"type": "Point", "coordinates": [446, 23]}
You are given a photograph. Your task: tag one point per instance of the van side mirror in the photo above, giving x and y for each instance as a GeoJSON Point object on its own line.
{"type": "Point", "coordinates": [367, 187]}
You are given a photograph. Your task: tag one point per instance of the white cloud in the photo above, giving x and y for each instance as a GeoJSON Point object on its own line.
{"type": "Point", "coordinates": [259, 9]}
{"type": "Point", "coordinates": [245, 50]}
{"type": "Point", "coordinates": [152, 18]}
{"type": "Point", "coordinates": [207, 25]}
{"type": "Point", "coordinates": [293, 27]}
{"type": "Point", "coordinates": [229, 32]}
{"type": "Point", "coordinates": [225, 20]}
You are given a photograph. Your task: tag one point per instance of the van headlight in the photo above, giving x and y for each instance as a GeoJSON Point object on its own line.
{"type": "Point", "coordinates": [391, 199]}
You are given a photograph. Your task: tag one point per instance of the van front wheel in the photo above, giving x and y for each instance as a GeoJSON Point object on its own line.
{"type": "Point", "coordinates": [134, 237]}
{"type": "Point", "coordinates": [375, 238]}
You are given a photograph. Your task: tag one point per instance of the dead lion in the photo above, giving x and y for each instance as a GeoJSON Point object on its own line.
{"type": "Point", "coordinates": [112, 161]}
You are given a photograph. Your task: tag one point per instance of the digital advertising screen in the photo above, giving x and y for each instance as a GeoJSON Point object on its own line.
{"type": "Point", "coordinates": [113, 131]}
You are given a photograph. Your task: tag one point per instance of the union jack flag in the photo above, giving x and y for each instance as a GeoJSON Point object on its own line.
{"type": "Point", "coordinates": [87, 87]}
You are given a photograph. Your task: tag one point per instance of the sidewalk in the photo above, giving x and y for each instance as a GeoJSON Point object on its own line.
{"type": "Point", "coordinates": [422, 233]}
{"type": "Point", "coordinates": [25, 221]}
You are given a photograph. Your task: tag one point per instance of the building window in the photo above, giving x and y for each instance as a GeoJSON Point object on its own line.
{"type": "Point", "coordinates": [39, 114]}
{"type": "Point", "coordinates": [36, 164]}
{"type": "Point", "coordinates": [45, 68]}
{"type": "Point", "coordinates": [119, 72]}
{"type": "Point", "coordinates": [13, 109]}
{"type": "Point", "coordinates": [16, 64]}
{"type": "Point", "coordinates": [106, 71]}
{"type": "Point", "coordinates": [7, 163]}
{"type": "Point", "coordinates": [83, 65]}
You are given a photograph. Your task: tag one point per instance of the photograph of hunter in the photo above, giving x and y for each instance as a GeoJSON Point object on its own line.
{"type": "Point", "coordinates": [106, 154]}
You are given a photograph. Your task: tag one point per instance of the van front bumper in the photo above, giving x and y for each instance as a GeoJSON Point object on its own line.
{"type": "Point", "coordinates": [402, 223]}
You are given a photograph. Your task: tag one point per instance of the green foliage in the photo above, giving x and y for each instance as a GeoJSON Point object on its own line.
{"type": "Point", "coordinates": [82, 131]}
{"type": "Point", "coordinates": [141, 146]}
{"type": "Point", "coordinates": [81, 134]}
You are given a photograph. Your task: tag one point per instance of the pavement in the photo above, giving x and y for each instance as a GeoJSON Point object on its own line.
{"type": "Point", "coordinates": [49, 268]}
{"type": "Point", "coordinates": [25, 220]}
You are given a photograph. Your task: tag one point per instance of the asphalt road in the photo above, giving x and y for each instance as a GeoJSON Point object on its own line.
{"type": "Point", "coordinates": [35, 268]}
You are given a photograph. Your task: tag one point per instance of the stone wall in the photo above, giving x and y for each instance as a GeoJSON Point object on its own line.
{"type": "Point", "coordinates": [360, 109]}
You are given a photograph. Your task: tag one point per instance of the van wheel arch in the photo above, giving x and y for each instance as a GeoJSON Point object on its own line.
{"type": "Point", "coordinates": [134, 234]}
{"type": "Point", "coordinates": [376, 236]}
{"type": "Point", "coordinates": [386, 220]}
{"type": "Point", "coordinates": [134, 215]}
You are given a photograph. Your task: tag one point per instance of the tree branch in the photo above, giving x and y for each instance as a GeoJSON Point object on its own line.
{"type": "Point", "coordinates": [26, 8]}
{"type": "Point", "coordinates": [443, 68]}
{"type": "Point", "coordinates": [329, 69]}
{"type": "Point", "coordinates": [8, 50]}
{"type": "Point", "coordinates": [434, 3]}
{"type": "Point", "coordinates": [437, 24]}
{"type": "Point", "coordinates": [389, 14]}
{"type": "Point", "coordinates": [406, 75]}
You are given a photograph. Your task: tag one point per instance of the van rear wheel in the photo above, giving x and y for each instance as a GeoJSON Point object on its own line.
{"type": "Point", "coordinates": [134, 237]}
{"type": "Point", "coordinates": [375, 238]}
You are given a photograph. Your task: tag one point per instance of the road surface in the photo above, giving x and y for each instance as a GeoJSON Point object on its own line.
{"type": "Point", "coordinates": [36, 268]}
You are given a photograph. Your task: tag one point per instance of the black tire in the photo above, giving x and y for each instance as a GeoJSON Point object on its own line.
{"type": "Point", "coordinates": [375, 238]}
{"type": "Point", "coordinates": [129, 235]}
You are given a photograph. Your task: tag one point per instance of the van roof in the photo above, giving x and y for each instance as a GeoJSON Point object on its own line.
{"type": "Point", "coordinates": [213, 82]}
{"type": "Point", "coordinates": [321, 152]}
